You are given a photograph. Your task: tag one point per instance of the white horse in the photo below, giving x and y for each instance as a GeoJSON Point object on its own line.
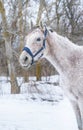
{"type": "Point", "coordinates": [65, 56]}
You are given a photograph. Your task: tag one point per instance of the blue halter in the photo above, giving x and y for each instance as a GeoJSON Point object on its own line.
{"type": "Point", "coordinates": [42, 48]}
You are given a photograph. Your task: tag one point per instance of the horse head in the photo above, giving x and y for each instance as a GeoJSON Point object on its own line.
{"type": "Point", "coordinates": [35, 45]}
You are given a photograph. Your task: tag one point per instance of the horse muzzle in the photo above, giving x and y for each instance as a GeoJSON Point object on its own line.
{"type": "Point", "coordinates": [25, 60]}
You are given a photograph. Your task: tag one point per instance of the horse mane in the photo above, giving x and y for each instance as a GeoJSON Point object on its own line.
{"type": "Point", "coordinates": [37, 26]}
{"type": "Point", "coordinates": [58, 38]}
{"type": "Point", "coordinates": [33, 28]}
{"type": "Point", "coordinates": [61, 39]}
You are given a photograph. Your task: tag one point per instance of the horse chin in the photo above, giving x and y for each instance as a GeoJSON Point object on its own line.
{"type": "Point", "coordinates": [26, 67]}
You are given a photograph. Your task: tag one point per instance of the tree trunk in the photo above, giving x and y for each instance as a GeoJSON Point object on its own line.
{"type": "Point", "coordinates": [41, 6]}
{"type": "Point", "coordinates": [38, 65]}
{"type": "Point", "coordinates": [38, 71]}
{"type": "Point", "coordinates": [20, 26]}
{"type": "Point", "coordinates": [9, 54]}
{"type": "Point", "coordinates": [20, 29]}
{"type": "Point", "coordinates": [11, 68]}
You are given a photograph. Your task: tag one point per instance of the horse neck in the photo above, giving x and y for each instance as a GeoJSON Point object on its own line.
{"type": "Point", "coordinates": [58, 51]}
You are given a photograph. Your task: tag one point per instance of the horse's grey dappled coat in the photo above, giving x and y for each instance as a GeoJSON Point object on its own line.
{"type": "Point", "coordinates": [67, 58]}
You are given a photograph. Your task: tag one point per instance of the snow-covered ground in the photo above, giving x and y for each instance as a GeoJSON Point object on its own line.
{"type": "Point", "coordinates": [45, 110]}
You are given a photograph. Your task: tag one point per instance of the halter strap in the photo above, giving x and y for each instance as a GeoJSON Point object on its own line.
{"type": "Point", "coordinates": [42, 48]}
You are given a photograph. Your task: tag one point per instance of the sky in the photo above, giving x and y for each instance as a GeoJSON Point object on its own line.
{"type": "Point", "coordinates": [81, 2]}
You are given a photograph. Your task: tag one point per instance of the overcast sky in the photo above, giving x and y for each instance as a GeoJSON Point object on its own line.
{"type": "Point", "coordinates": [81, 2]}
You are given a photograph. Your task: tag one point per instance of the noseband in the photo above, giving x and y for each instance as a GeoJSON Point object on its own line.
{"type": "Point", "coordinates": [40, 50]}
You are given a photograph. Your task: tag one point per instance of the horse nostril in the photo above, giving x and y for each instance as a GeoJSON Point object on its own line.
{"type": "Point", "coordinates": [26, 58]}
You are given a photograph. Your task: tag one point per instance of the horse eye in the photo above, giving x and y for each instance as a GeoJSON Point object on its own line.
{"type": "Point", "coordinates": [38, 39]}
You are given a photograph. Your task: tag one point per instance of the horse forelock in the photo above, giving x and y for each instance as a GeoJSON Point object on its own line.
{"type": "Point", "coordinates": [34, 28]}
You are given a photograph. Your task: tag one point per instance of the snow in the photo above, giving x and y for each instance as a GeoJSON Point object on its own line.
{"type": "Point", "coordinates": [21, 114]}
{"type": "Point", "coordinates": [30, 110]}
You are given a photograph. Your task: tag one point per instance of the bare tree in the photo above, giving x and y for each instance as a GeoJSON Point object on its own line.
{"type": "Point", "coordinates": [38, 65]}
{"type": "Point", "coordinates": [20, 23]}
{"type": "Point", "coordinates": [58, 13]}
{"type": "Point", "coordinates": [40, 11]}
{"type": "Point", "coordinates": [73, 13]}
{"type": "Point", "coordinates": [9, 53]}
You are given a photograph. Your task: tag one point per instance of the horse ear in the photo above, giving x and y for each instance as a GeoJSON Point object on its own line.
{"type": "Point", "coordinates": [41, 24]}
{"type": "Point", "coordinates": [31, 25]}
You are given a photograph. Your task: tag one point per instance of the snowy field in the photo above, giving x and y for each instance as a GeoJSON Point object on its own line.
{"type": "Point", "coordinates": [47, 109]}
